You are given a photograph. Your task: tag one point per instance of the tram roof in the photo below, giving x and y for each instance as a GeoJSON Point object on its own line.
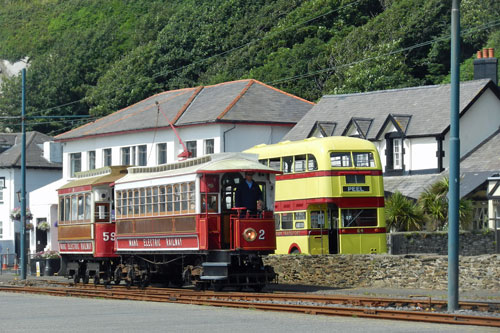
{"type": "Point", "coordinates": [105, 175]}
{"type": "Point", "coordinates": [313, 144]}
{"type": "Point", "coordinates": [214, 163]}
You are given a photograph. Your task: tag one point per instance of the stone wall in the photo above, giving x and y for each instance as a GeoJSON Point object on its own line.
{"type": "Point", "coordinates": [471, 243]}
{"type": "Point", "coordinates": [385, 271]}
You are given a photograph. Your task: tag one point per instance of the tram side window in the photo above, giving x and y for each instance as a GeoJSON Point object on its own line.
{"type": "Point", "coordinates": [339, 159]}
{"type": "Point", "coordinates": [87, 207]}
{"type": "Point", "coordinates": [161, 199]}
{"type": "Point", "coordinates": [300, 163]}
{"type": "Point", "coordinates": [287, 221]}
{"type": "Point", "coordinates": [359, 218]}
{"type": "Point", "coordinates": [287, 164]}
{"type": "Point", "coordinates": [191, 200]}
{"type": "Point", "coordinates": [299, 218]}
{"type": "Point", "coordinates": [365, 159]}
{"type": "Point", "coordinates": [275, 163]}
{"type": "Point", "coordinates": [61, 209]}
{"type": "Point", "coordinates": [213, 205]}
{"type": "Point", "coordinates": [264, 162]}
{"type": "Point", "coordinates": [317, 219]}
{"type": "Point", "coordinates": [277, 221]}
{"type": "Point", "coordinates": [170, 200]}
{"type": "Point", "coordinates": [155, 200]}
{"type": "Point", "coordinates": [312, 164]}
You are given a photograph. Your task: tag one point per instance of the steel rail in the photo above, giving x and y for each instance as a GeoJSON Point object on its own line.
{"type": "Point", "coordinates": [416, 301]}
{"type": "Point", "coordinates": [211, 299]}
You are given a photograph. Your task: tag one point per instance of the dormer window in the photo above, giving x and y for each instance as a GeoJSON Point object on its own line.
{"type": "Point", "coordinates": [323, 129]}
{"type": "Point", "coordinates": [358, 127]}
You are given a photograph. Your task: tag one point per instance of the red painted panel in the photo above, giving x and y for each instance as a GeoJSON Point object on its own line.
{"type": "Point", "coordinates": [304, 232]}
{"type": "Point", "coordinates": [209, 183]}
{"type": "Point", "coordinates": [155, 243]}
{"type": "Point", "coordinates": [84, 188]}
{"type": "Point", "coordinates": [105, 240]}
{"type": "Point", "coordinates": [344, 202]}
{"type": "Point", "coordinates": [364, 230]}
{"type": "Point", "coordinates": [76, 247]}
{"type": "Point", "coordinates": [266, 234]}
{"type": "Point", "coordinates": [328, 174]}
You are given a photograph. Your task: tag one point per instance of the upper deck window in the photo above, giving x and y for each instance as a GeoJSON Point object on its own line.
{"type": "Point", "coordinates": [300, 163]}
{"type": "Point", "coordinates": [364, 159]}
{"type": "Point", "coordinates": [340, 159]}
{"type": "Point", "coordinates": [287, 164]}
{"type": "Point", "coordinates": [312, 164]}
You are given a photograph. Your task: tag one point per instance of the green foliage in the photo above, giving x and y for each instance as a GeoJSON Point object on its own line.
{"type": "Point", "coordinates": [434, 203]}
{"type": "Point", "coordinates": [99, 56]}
{"type": "Point", "coordinates": [402, 214]}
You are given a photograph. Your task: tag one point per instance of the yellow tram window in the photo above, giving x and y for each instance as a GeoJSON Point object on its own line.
{"type": "Point", "coordinates": [359, 218]}
{"type": "Point", "coordinates": [277, 221]}
{"type": "Point", "coordinates": [317, 219]}
{"type": "Point", "coordinates": [287, 221]}
{"type": "Point", "coordinates": [340, 159]}
{"type": "Point", "coordinates": [275, 163]}
{"type": "Point", "coordinates": [300, 163]}
{"type": "Point", "coordinates": [312, 164]}
{"type": "Point", "coordinates": [364, 159]}
{"type": "Point", "coordinates": [287, 163]}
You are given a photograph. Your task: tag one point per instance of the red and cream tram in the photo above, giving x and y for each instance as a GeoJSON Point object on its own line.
{"type": "Point", "coordinates": [170, 223]}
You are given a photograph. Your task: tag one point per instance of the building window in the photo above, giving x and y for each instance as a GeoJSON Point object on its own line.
{"type": "Point", "coordinates": [1, 229]}
{"type": "Point", "coordinates": [75, 161]}
{"type": "Point", "coordinates": [2, 186]}
{"type": "Point", "coordinates": [91, 159]}
{"type": "Point", "coordinates": [397, 153]}
{"type": "Point", "coordinates": [142, 158]}
{"type": "Point", "coordinates": [191, 147]}
{"type": "Point", "coordinates": [209, 146]}
{"type": "Point", "coordinates": [106, 157]}
{"type": "Point", "coordinates": [125, 156]}
{"type": "Point", "coordinates": [161, 151]}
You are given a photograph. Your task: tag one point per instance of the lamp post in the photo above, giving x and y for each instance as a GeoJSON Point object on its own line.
{"type": "Point", "coordinates": [23, 180]}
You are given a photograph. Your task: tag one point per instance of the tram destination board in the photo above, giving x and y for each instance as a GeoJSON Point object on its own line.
{"type": "Point", "coordinates": [356, 188]}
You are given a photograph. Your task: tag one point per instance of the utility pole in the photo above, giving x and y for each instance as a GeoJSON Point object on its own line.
{"type": "Point", "coordinates": [454, 180]}
{"type": "Point", "coordinates": [23, 180]}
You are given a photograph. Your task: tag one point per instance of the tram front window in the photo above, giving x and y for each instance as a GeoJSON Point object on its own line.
{"type": "Point", "coordinates": [359, 218]}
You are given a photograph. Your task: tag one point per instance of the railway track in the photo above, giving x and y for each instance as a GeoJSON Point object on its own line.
{"type": "Point", "coordinates": [421, 309]}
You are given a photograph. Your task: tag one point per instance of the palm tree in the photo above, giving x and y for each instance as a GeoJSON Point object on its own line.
{"type": "Point", "coordinates": [402, 214]}
{"type": "Point", "coordinates": [434, 203]}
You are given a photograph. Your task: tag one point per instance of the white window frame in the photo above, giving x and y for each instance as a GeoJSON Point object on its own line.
{"type": "Point", "coordinates": [2, 186]}
{"type": "Point", "coordinates": [91, 160]}
{"type": "Point", "coordinates": [161, 153]}
{"type": "Point", "coordinates": [397, 154]}
{"type": "Point", "coordinates": [105, 157]}
{"type": "Point", "coordinates": [72, 165]}
{"type": "Point", "coordinates": [206, 146]}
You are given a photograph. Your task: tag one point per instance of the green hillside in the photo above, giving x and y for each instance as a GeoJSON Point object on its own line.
{"type": "Point", "coordinates": [97, 56]}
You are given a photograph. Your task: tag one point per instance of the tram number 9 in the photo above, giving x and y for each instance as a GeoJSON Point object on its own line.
{"type": "Point", "coordinates": [262, 234]}
{"type": "Point", "coordinates": [108, 236]}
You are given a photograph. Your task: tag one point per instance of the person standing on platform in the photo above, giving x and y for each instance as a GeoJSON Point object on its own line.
{"type": "Point", "coordinates": [248, 193]}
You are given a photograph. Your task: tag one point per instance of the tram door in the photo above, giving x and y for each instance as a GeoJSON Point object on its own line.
{"type": "Point", "coordinates": [333, 231]}
{"type": "Point", "coordinates": [229, 182]}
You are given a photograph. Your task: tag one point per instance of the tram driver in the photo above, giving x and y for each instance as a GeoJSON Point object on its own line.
{"type": "Point", "coordinates": [249, 195]}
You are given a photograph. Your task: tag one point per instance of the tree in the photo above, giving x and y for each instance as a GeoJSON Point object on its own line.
{"type": "Point", "coordinates": [434, 203]}
{"type": "Point", "coordinates": [403, 214]}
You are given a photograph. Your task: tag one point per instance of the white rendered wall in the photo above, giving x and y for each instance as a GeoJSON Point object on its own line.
{"type": "Point", "coordinates": [238, 137]}
{"type": "Point", "coordinates": [421, 154]}
{"type": "Point", "coordinates": [477, 124]}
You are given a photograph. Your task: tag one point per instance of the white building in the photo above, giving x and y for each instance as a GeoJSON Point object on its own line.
{"type": "Point", "coordinates": [226, 117]}
{"type": "Point", "coordinates": [41, 169]}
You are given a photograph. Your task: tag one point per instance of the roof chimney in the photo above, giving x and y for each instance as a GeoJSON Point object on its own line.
{"type": "Point", "coordinates": [486, 65]}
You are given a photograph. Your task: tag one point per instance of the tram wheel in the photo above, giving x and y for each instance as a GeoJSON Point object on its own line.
{"type": "Point", "coordinates": [76, 278]}
{"type": "Point", "coordinates": [85, 278]}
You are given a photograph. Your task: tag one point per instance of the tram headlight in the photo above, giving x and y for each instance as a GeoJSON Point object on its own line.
{"type": "Point", "coordinates": [250, 234]}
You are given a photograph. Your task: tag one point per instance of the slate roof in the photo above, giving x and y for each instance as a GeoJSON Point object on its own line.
{"type": "Point", "coordinates": [428, 106]}
{"type": "Point", "coordinates": [34, 151]}
{"type": "Point", "coordinates": [236, 101]}
{"type": "Point", "coordinates": [475, 169]}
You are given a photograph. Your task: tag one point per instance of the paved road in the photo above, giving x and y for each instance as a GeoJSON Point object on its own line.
{"type": "Point", "coordinates": [38, 313]}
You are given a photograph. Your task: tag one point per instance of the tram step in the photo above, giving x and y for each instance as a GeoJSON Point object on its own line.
{"type": "Point", "coordinates": [215, 270]}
